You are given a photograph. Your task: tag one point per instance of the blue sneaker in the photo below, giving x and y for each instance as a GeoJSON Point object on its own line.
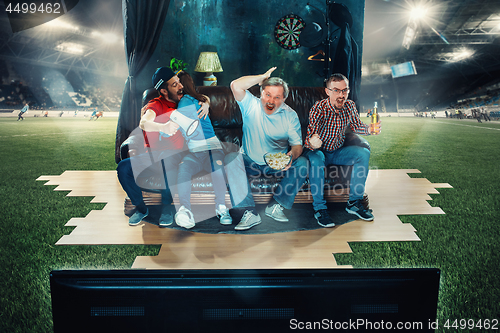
{"type": "Point", "coordinates": [324, 218]}
{"type": "Point", "coordinates": [223, 214]}
{"type": "Point", "coordinates": [137, 217]}
{"type": "Point", "coordinates": [166, 217]}
{"type": "Point", "coordinates": [357, 208]}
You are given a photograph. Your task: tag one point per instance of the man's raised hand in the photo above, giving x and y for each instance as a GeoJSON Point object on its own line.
{"type": "Point", "coordinates": [267, 74]}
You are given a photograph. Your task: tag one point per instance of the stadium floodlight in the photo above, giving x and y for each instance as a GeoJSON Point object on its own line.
{"type": "Point", "coordinates": [73, 48]}
{"type": "Point", "coordinates": [461, 54]}
{"type": "Point", "coordinates": [496, 29]}
{"type": "Point", "coordinates": [418, 13]}
{"type": "Point", "coordinates": [110, 38]}
{"type": "Point", "coordinates": [106, 37]}
{"type": "Point", "coordinates": [58, 24]}
{"type": "Point", "coordinates": [410, 33]}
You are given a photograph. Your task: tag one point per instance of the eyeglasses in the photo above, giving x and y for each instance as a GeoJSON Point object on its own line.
{"type": "Point", "coordinates": [338, 91]}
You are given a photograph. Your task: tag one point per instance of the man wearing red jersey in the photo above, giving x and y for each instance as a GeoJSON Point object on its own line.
{"type": "Point", "coordinates": [163, 153]}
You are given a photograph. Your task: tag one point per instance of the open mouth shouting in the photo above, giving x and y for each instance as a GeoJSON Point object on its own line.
{"type": "Point", "coordinates": [176, 96]}
{"type": "Point", "coordinates": [272, 97]}
{"type": "Point", "coordinates": [270, 106]}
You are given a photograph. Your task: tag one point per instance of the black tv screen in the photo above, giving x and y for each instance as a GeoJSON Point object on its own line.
{"type": "Point", "coordinates": [244, 300]}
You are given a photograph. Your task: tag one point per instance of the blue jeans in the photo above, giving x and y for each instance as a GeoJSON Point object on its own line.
{"type": "Point", "coordinates": [356, 156]}
{"type": "Point", "coordinates": [131, 168]}
{"type": "Point", "coordinates": [239, 189]}
{"type": "Point", "coordinates": [285, 193]}
{"type": "Point", "coordinates": [211, 161]}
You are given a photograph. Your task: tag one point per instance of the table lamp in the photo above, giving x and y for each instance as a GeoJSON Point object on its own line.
{"type": "Point", "coordinates": [209, 62]}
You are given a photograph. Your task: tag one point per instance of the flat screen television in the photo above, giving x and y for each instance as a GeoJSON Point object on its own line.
{"type": "Point", "coordinates": [244, 300]}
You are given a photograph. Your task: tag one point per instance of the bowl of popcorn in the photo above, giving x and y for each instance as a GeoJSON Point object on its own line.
{"type": "Point", "coordinates": [277, 161]}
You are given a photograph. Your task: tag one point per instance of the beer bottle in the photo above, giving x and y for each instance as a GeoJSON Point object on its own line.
{"type": "Point", "coordinates": [375, 116]}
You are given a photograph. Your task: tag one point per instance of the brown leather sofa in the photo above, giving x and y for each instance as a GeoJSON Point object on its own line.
{"type": "Point", "coordinates": [226, 120]}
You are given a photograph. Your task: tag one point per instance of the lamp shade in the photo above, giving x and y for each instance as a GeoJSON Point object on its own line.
{"type": "Point", "coordinates": [208, 62]}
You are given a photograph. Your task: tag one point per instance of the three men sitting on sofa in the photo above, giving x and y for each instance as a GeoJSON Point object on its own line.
{"type": "Point", "coordinates": [270, 126]}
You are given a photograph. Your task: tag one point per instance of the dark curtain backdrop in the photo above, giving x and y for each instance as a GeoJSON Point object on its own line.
{"type": "Point", "coordinates": [142, 24]}
{"type": "Point", "coordinates": [346, 61]}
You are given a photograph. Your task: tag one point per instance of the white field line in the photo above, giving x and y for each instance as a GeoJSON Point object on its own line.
{"type": "Point", "coordinates": [444, 122]}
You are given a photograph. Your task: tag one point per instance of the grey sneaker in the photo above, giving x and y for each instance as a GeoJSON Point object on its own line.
{"type": "Point", "coordinates": [184, 218]}
{"type": "Point", "coordinates": [223, 215]}
{"type": "Point", "coordinates": [137, 217]}
{"type": "Point", "coordinates": [248, 220]}
{"type": "Point", "coordinates": [276, 212]}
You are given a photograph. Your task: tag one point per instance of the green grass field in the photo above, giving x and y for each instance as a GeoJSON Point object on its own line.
{"type": "Point", "coordinates": [463, 243]}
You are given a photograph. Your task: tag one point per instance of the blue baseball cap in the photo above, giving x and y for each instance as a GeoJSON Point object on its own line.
{"type": "Point", "coordinates": [162, 74]}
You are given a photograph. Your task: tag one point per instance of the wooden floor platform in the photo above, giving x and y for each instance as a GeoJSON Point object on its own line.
{"type": "Point", "coordinates": [391, 193]}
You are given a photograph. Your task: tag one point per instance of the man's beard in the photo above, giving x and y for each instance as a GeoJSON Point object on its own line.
{"type": "Point", "coordinates": [174, 96]}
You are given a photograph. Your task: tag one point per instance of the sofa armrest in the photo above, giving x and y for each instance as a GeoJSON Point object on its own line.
{"type": "Point", "coordinates": [133, 145]}
{"type": "Point", "coordinates": [124, 149]}
{"type": "Point", "coordinates": [352, 139]}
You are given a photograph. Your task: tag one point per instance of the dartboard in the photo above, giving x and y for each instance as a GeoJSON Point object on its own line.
{"type": "Point", "coordinates": [287, 31]}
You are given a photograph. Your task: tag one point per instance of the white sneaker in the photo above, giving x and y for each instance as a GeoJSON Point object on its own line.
{"type": "Point", "coordinates": [184, 218]}
{"type": "Point", "coordinates": [223, 215]}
